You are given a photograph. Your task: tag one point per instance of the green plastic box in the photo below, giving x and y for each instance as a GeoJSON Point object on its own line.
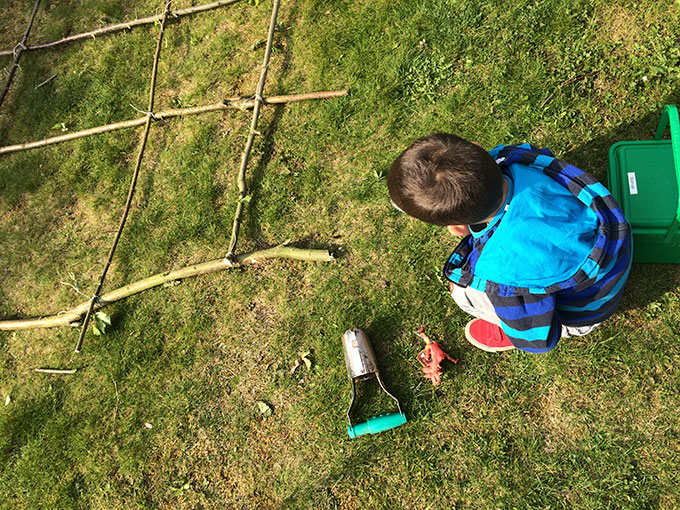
{"type": "Point", "coordinates": [644, 177]}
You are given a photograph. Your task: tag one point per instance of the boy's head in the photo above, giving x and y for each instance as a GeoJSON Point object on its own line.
{"type": "Point", "coordinates": [445, 180]}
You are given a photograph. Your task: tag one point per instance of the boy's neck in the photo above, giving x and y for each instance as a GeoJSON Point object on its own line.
{"type": "Point", "coordinates": [506, 187]}
{"type": "Point", "coordinates": [463, 230]}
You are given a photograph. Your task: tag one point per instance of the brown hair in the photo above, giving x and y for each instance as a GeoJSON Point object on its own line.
{"type": "Point", "coordinates": [445, 180]}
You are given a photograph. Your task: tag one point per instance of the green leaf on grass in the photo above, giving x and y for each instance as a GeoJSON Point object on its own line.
{"type": "Point", "coordinates": [101, 320]}
{"type": "Point", "coordinates": [264, 408]}
{"type": "Point", "coordinates": [307, 361]}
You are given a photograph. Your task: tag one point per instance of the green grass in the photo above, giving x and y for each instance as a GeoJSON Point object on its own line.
{"type": "Point", "coordinates": [593, 424]}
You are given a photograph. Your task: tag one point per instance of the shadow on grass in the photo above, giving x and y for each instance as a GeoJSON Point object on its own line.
{"type": "Point", "coordinates": [382, 332]}
{"type": "Point", "coordinates": [253, 226]}
{"type": "Point", "coordinates": [26, 421]}
{"type": "Point", "coordinates": [647, 282]}
{"type": "Point", "coordinates": [70, 102]}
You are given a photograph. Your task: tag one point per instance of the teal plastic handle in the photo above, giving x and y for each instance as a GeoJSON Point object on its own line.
{"type": "Point", "coordinates": [376, 424]}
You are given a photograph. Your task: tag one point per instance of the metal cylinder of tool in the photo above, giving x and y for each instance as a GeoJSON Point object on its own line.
{"type": "Point", "coordinates": [361, 364]}
{"type": "Point", "coordinates": [359, 356]}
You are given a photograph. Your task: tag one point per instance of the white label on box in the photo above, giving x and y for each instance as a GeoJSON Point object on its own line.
{"type": "Point", "coordinates": [632, 183]}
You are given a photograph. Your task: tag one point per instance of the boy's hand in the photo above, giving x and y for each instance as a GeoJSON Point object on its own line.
{"type": "Point", "coordinates": [459, 230]}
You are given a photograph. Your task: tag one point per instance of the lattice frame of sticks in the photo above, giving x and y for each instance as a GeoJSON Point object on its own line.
{"type": "Point", "coordinates": [74, 317]}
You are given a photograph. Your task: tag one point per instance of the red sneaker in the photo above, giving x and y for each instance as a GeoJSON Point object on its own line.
{"type": "Point", "coordinates": [487, 336]}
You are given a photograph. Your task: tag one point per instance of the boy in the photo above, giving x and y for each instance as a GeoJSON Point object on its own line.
{"type": "Point", "coordinates": [546, 250]}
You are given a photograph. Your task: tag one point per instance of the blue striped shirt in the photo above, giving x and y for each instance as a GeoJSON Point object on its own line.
{"type": "Point", "coordinates": [558, 253]}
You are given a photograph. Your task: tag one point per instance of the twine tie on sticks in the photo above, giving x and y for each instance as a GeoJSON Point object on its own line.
{"type": "Point", "coordinates": [18, 49]}
{"type": "Point", "coordinates": [145, 113]}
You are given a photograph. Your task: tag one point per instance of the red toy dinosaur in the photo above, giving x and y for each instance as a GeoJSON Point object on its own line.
{"type": "Point", "coordinates": [431, 357]}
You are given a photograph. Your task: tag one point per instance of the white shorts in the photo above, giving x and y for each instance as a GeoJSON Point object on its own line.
{"type": "Point", "coordinates": [477, 304]}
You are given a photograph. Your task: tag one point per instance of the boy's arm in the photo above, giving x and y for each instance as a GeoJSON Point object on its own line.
{"type": "Point", "coordinates": [529, 321]}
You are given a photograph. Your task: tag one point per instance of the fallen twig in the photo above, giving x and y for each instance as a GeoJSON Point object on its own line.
{"type": "Point", "coordinates": [46, 81]}
{"type": "Point", "coordinates": [17, 51]}
{"type": "Point", "coordinates": [124, 25]}
{"type": "Point", "coordinates": [115, 410]}
{"type": "Point", "coordinates": [73, 316]}
{"type": "Point", "coordinates": [56, 370]}
{"type": "Point", "coordinates": [234, 103]}
{"type": "Point", "coordinates": [242, 187]}
{"type": "Point", "coordinates": [135, 175]}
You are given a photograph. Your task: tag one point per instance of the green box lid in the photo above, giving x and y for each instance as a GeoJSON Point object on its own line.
{"type": "Point", "coordinates": [643, 180]}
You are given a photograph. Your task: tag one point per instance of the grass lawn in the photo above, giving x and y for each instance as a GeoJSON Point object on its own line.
{"type": "Point", "coordinates": [163, 411]}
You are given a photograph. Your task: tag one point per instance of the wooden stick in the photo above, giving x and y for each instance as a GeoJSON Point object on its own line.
{"type": "Point", "coordinates": [17, 51]}
{"type": "Point", "coordinates": [115, 409]}
{"type": "Point", "coordinates": [135, 175]}
{"type": "Point", "coordinates": [242, 187]}
{"type": "Point", "coordinates": [73, 316]}
{"type": "Point", "coordinates": [234, 103]}
{"type": "Point", "coordinates": [56, 370]}
{"type": "Point", "coordinates": [45, 82]}
{"type": "Point", "coordinates": [124, 25]}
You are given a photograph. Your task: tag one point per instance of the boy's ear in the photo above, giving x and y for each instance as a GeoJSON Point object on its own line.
{"type": "Point", "coordinates": [459, 230]}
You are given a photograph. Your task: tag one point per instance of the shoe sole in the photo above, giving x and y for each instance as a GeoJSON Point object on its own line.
{"type": "Point", "coordinates": [479, 345]}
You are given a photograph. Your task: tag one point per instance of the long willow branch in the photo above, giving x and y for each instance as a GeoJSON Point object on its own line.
{"type": "Point", "coordinates": [73, 316]}
{"type": "Point", "coordinates": [234, 103]}
{"type": "Point", "coordinates": [135, 175]}
{"type": "Point", "coordinates": [17, 51]}
{"type": "Point", "coordinates": [242, 188]}
{"type": "Point", "coordinates": [124, 25]}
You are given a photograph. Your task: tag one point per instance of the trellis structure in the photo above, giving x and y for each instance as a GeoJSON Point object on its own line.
{"type": "Point", "coordinates": [74, 317]}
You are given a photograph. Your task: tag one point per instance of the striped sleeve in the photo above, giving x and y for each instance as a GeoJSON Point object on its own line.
{"type": "Point", "coordinates": [529, 320]}
{"type": "Point", "coordinates": [596, 299]}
